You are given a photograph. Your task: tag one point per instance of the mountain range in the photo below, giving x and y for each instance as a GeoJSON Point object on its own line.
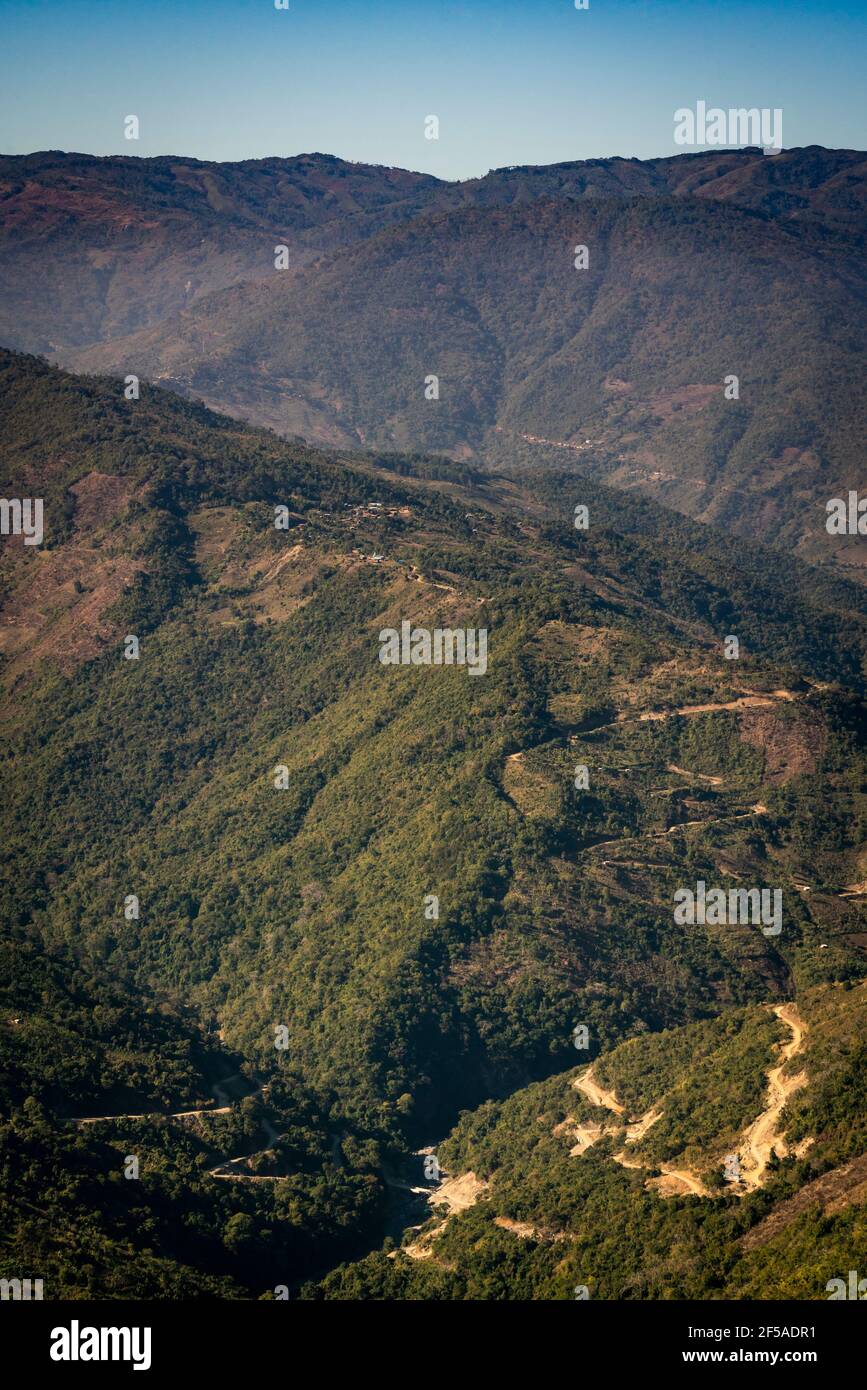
{"type": "Point", "coordinates": [433, 613]}
{"type": "Point", "coordinates": [708, 354]}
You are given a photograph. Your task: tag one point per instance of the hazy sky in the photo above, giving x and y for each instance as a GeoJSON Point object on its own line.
{"type": "Point", "coordinates": [512, 81]}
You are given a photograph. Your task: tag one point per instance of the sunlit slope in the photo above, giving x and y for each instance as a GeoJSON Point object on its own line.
{"type": "Point", "coordinates": [653, 1195]}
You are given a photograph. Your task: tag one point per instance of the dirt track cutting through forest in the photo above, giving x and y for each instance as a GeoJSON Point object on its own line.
{"type": "Point", "coordinates": [751, 699]}
{"type": "Point", "coordinates": [596, 1094]}
{"type": "Point", "coordinates": [759, 1139]}
{"type": "Point", "coordinates": [149, 1115]}
{"type": "Point", "coordinates": [758, 809]}
{"type": "Point", "coordinates": [763, 1134]}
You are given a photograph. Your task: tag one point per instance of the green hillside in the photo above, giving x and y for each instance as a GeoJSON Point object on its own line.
{"type": "Point", "coordinates": [303, 911]}
{"type": "Point", "coordinates": [555, 1219]}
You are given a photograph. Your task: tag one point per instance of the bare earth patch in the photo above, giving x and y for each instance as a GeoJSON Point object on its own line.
{"type": "Point", "coordinates": [757, 1142]}
{"type": "Point", "coordinates": [458, 1193]}
{"type": "Point", "coordinates": [596, 1094]}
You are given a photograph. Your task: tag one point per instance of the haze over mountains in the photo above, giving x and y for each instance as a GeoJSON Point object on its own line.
{"type": "Point", "coordinates": [700, 266]}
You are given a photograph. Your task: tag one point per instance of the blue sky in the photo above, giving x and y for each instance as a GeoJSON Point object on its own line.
{"type": "Point", "coordinates": [512, 82]}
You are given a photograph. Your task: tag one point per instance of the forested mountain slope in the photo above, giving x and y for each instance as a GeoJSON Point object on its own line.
{"type": "Point", "coordinates": [699, 1185]}
{"type": "Point", "coordinates": [94, 247]}
{"type": "Point", "coordinates": [284, 809]}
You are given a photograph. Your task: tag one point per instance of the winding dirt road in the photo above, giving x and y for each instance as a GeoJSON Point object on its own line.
{"type": "Point", "coordinates": [750, 699]}
{"type": "Point", "coordinates": [756, 1144]}
{"type": "Point", "coordinates": [758, 809]}
{"type": "Point", "coordinates": [595, 1093]}
{"type": "Point", "coordinates": [224, 1169]}
{"type": "Point", "coordinates": [219, 1092]}
{"type": "Point", "coordinates": [585, 1137]}
{"type": "Point", "coordinates": [149, 1115]}
{"type": "Point", "coordinates": [763, 1134]}
{"type": "Point", "coordinates": [702, 776]}
{"type": "Point", "coordinates": [677, 1182]}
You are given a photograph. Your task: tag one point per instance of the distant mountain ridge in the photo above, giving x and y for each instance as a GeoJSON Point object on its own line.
{"type": "Point", "coordinates": [144, 213]}
{"type": "Point", "coordinates": [701, 266]}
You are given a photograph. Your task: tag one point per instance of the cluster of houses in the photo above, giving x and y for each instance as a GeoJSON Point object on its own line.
{"type": "Point", "coordinates": [374, 510]}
